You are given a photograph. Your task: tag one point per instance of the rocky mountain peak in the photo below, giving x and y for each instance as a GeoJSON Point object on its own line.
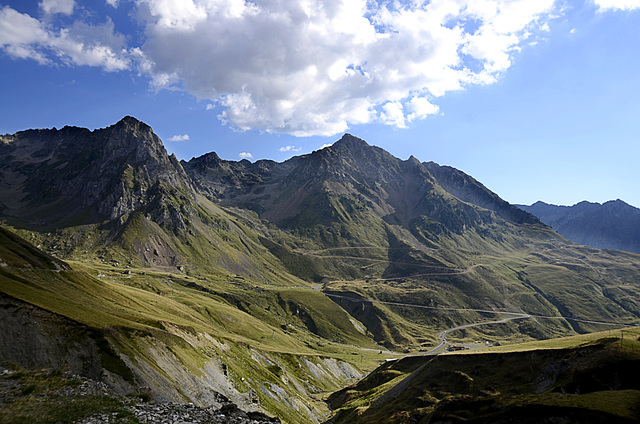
{"type": "Point", "coordinates": [130, 121]}
{"type": "Point", "coordinates": [351, 140]}
{"type": "Point", "coordinates": [348, 143]}
{"type": "Point", "coordinates": [413, 161]}
{"type": "Point", "coordinates": [106, 173]}
{"type": "Point", "coordinates": [131, 133]}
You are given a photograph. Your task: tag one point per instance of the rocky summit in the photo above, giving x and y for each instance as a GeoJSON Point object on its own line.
{"type": "Point", "coordinates": [271, 285]}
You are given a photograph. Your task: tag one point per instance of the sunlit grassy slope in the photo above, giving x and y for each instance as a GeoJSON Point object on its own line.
{"type": "Point", "coordinates": [588, 378]}
{"type": "Point", "coordinates": [260, 332]}
{"type": "Point", "coordinates": [563, 284]}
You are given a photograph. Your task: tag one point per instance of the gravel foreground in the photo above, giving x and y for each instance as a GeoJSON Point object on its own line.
{"type": "Point", "coordinates": [171, 413]}
{"type": "Point", "coordinates": [49, 396]}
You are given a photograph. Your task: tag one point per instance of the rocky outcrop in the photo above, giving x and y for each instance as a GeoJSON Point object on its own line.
{"type": "Point", "coordinates": [33, 338]}
{"type": "Point", "coordinates": [130, 362]}
{"type": "Point", "coordinates": [74, 176]}
{"type": "Point", "coordinates": [169, 413]}
{"type": "Point", "coordinates": [58, 388]}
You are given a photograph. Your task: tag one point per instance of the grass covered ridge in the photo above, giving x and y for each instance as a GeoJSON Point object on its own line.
{"type": "Point", "coordinates": [591, 378]}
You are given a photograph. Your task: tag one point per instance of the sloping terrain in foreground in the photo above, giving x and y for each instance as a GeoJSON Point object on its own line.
{"type": "Point", "coordinates": [167, 337]}
{"type": "Point", "coordinates": [583, 379]}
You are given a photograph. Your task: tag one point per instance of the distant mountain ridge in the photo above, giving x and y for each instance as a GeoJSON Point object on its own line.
{"type": "Point", "coordinates": [611, 225]}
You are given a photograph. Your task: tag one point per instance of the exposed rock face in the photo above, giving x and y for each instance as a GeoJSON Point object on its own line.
{"type": "Point", "coordinates": [77, 176]}
{"type": "Point", "coordinates": [220, 178]}
{"type": "Point", "coordinates": [611, 225]}
{"type": "Point", "coordinates": [34, 338]}
{"type": "Point", "coordinates": [69, 388]}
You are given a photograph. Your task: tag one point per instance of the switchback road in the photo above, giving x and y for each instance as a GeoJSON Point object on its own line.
{"type": "Point", "coordinates": [443, 336]}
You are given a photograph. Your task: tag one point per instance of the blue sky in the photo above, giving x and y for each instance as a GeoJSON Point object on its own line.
{"type": "Point", "coordinates": [537, 99]}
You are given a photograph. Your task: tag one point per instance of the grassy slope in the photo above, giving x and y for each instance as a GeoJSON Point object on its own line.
{"type": "Point", "coordinates": [526, 271]}
{"type": "Point", "coordinates": [259, 331]}
{"type": "Point", "coordinates": [588, 378]}
{"type": "Point", "coordinates": [44, 395]}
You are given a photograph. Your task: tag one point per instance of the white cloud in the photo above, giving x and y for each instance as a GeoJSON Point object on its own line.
{"type": "Point", "coordinates": [24, 37]}
{"type": "Point", "coordinates": [315, 68]}
{"type": "Point", "coordinates": [290, 149]}
{"type": "Point", "coordinates": [245, 155]}
{"type": "Point", "coordinates": [393, 114]}
{"type": "Point", "coordinates": [20, 34]}
{"type": "Point", "coordinates": [294, 66]}
{"type": "Point", "coordinates": [184, 137]}
{"type": "Point", "coordinates": [64, 7]}
{"type": "Point", "coordinates": [604, 5]}
{"type": "Point", "coordinates": [420, 108]}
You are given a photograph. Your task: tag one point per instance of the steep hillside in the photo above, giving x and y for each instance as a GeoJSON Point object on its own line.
{"type": "Point", "coordinates": [115, 196]}
{"type": "Point", "coordinates": [73, 176]}
{"type": "Point", "coordinates": [611, 225]}
{"type": "Point", "coordinates": [468, 189]}
{"type": "Point", "coordinates": [176, 338]}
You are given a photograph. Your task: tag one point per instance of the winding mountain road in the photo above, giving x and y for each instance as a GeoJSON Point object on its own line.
{"type": "Point", "coordinates": [443, 336]}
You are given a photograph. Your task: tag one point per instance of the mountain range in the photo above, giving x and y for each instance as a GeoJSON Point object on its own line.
{"type": "Point", "coordinates": [611, 225]}
{"type": "Point", "coordinates": [271, 283]}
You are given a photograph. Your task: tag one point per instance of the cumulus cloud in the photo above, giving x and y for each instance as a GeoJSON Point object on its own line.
{"type": "Point", "coordinates": [296, 66]}
{"type": "Point", "coordinates": [245, 155]}
{"type": "Point", "coordinates": [604, 5]}
{"type": "Point", "coordinates": [25, 37]}
{"type": "Point", "coordinates": [315, 68]}
{"type": "Point", "coordinates": [420, 108]}
{"type": "Point", "coordinates": [184, 137]}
